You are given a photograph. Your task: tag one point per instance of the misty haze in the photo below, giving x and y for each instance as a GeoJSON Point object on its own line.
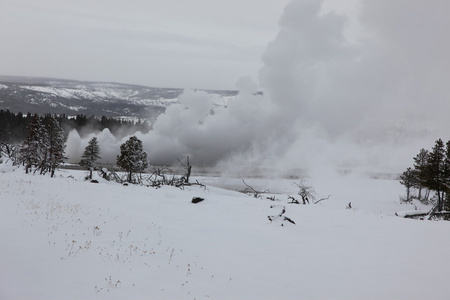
{"type": "Point", "coordinates": [248, 150]}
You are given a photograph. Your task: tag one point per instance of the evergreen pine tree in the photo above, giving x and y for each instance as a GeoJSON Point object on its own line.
{"type": "Point", "coordinates": [33, 149]}
{"type": "Point", "coordinates": [56, 141]}
{"type": "Point", "coordinates": [435, 172]}
{"type": "Point", "coordinates": [409, 180]}
{"type": "Point", "coordinates": [90, 155]}
{"type": "Point", "coordinates": [420, 163]}
{"type": "Point", "coordinates": [132, 157]}
{"type": "Point", "coordinates": [446, 198]}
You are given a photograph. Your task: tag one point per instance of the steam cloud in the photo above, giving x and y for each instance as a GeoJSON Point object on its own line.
{"type": "Point", "coordinates": [368, 99]}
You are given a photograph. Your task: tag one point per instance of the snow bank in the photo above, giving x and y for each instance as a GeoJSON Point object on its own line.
{"type": "Point", "coordinates": [64, 238]}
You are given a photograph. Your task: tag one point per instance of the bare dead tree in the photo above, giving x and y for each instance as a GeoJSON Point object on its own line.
{"type": "Point", "coordinates": [187, 166]}
{"type": "Point", "coordinates": [159, 177]}
{"type": "Point", "coordinates": [307, 192]}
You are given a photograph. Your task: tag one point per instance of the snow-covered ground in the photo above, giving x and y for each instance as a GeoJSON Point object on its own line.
{"type": "Point", "coordinates": [65, 238]}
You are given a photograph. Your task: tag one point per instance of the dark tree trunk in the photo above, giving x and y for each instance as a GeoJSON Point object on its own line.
{"type": "Point", "coordinates": [439, 203]}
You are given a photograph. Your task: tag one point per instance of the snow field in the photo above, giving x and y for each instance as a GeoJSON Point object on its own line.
{"type": "Point", "coordinates": [64, 238]}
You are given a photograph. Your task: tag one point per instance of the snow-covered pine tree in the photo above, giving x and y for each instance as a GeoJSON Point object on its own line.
{"type": "Point", "coordinates": [132, 157]}
{"type": "Point", "coordinates": [90, 155]}
{"type": "Point", "coordinates": [33, 150]}
{"type": "Point", "coordinates": [56, 145]}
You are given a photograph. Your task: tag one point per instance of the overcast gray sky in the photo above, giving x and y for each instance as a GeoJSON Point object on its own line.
{"type": "Point", "coordinates": [165, 43]}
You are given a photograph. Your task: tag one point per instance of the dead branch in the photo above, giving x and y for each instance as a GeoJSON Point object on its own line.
{"type": "Point", "coordinates": [432, 213]}
{"type": "Point", "coordinates": [112, 174]}
{"type": "Point", "coordinates": [159, 178]}
{"type": "Point", "coordinates": [289, 220]}
{"type": "Point", "coordinates": [322, 199]}
{"type": "Point", "coordinates": [251, 191]}
{"type": "Point", "coordinates": [293, 200]}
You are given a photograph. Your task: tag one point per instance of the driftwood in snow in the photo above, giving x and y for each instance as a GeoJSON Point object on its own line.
{"type": "Point", "coordinates": [271, 198]}
{"type": "Point", "coordinates": [289, 220]}
{"type": "Point", "coordinates": [422, 215]}
{"type": "Point", "coordinates": [280, 215]}
{"type": "Point", "coordinates": [159, 177]}
{"type": "Point", "coordinates": [293, 200]}
{"type": "Point", "coordinates": [414, 214]}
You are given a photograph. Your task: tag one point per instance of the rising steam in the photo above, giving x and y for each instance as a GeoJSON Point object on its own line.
{"type": "Point", "coordinates": [367, 101]}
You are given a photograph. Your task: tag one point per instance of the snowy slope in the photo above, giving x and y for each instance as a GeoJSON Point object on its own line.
{"type": "Point", "coordinates": [64, 238]}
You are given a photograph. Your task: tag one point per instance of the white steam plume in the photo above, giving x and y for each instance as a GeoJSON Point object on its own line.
{"type": "Point", "coordinates": [333, 98]}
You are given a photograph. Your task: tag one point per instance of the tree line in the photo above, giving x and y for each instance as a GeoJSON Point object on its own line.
{"type": "Point", "coordinates": [429, 173]}
{"type": "Point", "coordinates": [43, 150]}
{"type": "Point", "coordinates": [13, 126]}
{"type": "Point", "coordinates": [132, 158]}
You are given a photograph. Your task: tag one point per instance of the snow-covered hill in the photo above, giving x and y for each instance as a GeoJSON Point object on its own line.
{"type": "Point", "coordinates": [44, 95]}
{"type": "Point", "coordinates": [65, 238]}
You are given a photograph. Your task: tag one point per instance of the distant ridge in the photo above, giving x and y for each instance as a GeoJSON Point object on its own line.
{"type": "Point", "coordinates": [71, 97]}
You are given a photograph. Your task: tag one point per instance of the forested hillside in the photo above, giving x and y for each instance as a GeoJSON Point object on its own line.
{"type": "Point", "coordinates": [71, 97]}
